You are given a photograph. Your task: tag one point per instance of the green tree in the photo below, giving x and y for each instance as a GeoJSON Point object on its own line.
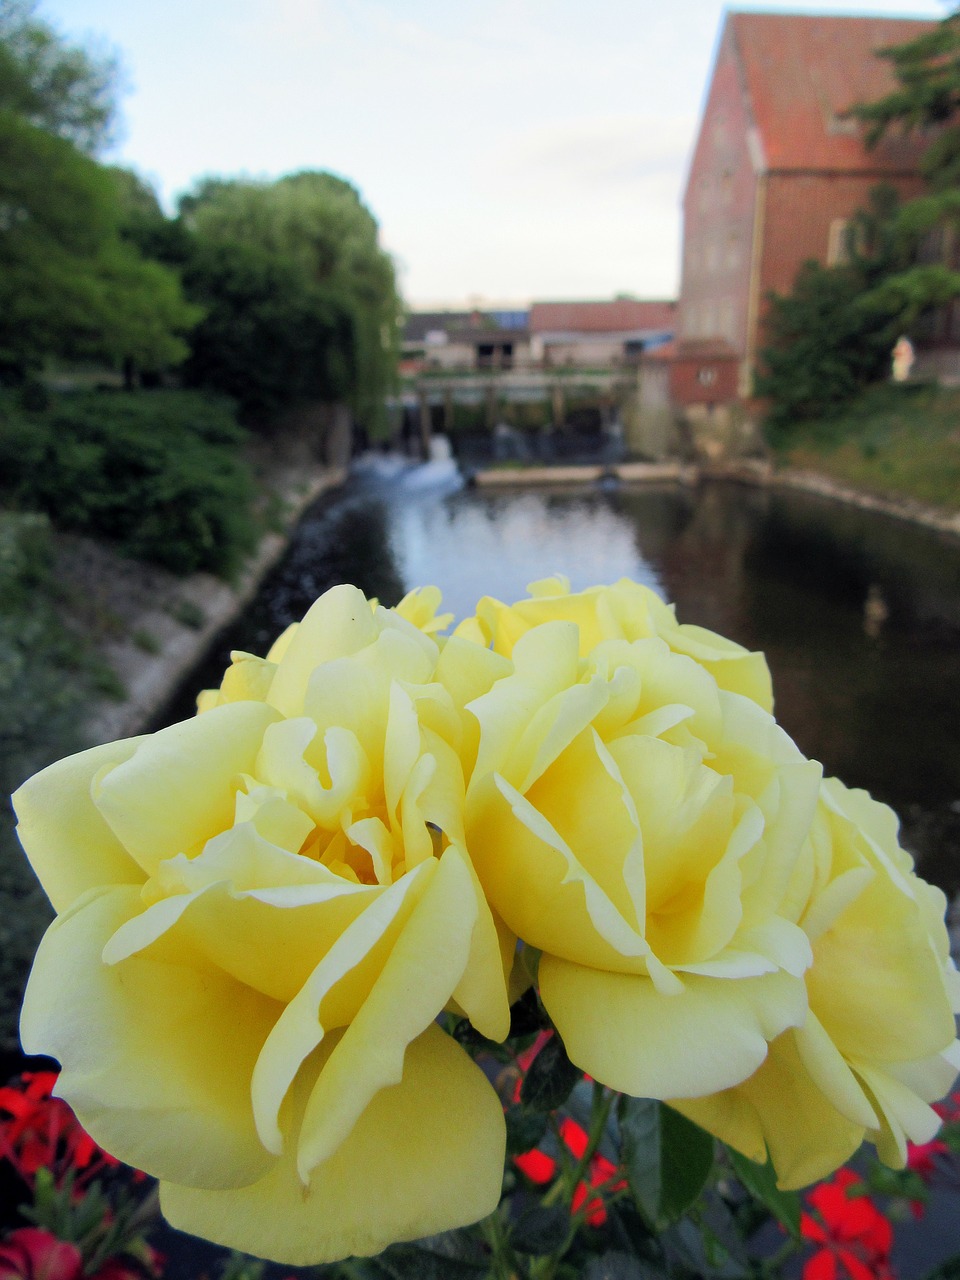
{"type": "Point", "coordinates": [269, 337]}
{"type": "Point", "coordinates": [926, 98]}
{"type": "Point", "coordinates": [70, 285]}
{"type": "Point", "coordinates": [315, 232]}
{"type": "Point", "coordinates": [73, 282]}
{"type": "Point", "coordinates": [823, 347]}
{"type": "Point", "coordinates": [61, 88]}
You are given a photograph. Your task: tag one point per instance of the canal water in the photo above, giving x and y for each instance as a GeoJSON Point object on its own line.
{"type": "Point", "coordinates": [858, 614]}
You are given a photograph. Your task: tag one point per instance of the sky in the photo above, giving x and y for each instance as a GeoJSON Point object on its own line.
{"type": "Point", "coordinates": [511, 150]}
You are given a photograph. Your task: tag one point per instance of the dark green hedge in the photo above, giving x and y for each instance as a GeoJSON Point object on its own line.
{"type": "Point", "coordinates": [160, 473]}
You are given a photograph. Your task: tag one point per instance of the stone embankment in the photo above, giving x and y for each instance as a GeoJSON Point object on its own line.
{"type": "Point", "coordinates": [746, 471]}
{"type": "Point", "coordinates": [152, 627]}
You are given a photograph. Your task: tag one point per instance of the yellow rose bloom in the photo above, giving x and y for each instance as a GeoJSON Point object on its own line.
{"type": "Point", "coordinates": [878, 1044]}
{"type": "Point", "coordinates": [261, 913]}
{"type": "Point", "coordinates": [640, 826]}
{"type": "Point", "coordinates": [624, 611]}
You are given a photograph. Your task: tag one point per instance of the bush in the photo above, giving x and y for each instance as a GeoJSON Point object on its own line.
{"type": "Point", "coordinates": [159, 473]}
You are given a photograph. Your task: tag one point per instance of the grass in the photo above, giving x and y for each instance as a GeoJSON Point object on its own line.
{"type": "Point", "coordinates": [47, 675]}
{"type": "Point", "coordinates": [898, 442]}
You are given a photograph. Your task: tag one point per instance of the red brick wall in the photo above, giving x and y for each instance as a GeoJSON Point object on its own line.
{"type": "Point", "coordinates": [703, 380]}
{"type": "Point", "coordinates": [718, 213]}
{"type": "Point", "coordinates": [799, 210]}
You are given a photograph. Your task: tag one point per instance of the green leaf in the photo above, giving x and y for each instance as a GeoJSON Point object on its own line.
{"type": "Point", "coordinates": [621, 1266]}
{"type": "Point", "coordinates": [686, 1158]}
{"type": "Point", "coordinates": [640, 1152]}
{"type": "Point", "coordinates": [948, 1270]}
{"type": "Point", "coordinates": [667, 1158]}
{"type": "Point", "coordinates": [527, 1015]}
{"type": "Point", "coordinates": [454, 1256]}
{"type": "Point", "coordinates": [541, 1229]}
{"type": "Point", "coordinates": [550, 1078]}
{"type": "Point", "coordinates": [761, 1181]}
{"type": "Point", "coordinates": [524, 1129]}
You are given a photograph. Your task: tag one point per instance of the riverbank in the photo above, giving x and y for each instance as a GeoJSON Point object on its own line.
{"type": "Point", "coordinates": [158, 626]}
{"type": "Point", "coordinates": [747, 471]}
{"type": "Point", "coordinates": [898, 445]}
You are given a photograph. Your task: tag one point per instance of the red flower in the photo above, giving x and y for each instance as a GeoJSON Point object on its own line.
{"type": "Point", "coordinates": [32, 1254]}
{"type": "Point", "coordinates": [40, 1131]}
{"type": "Point", "coordinates": [922, 1157]}
{"type": "Point", "coordinates": [854, 1236]}
{"type": "Point", "coordinates": [537, 1165]}
{"type": "Point", "coordinates": [541, 1168]}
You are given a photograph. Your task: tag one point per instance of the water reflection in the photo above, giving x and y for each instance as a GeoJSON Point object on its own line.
{"type": "Point", "coordinates": [876, 699]}
{"type": "Point", "coordinates": [472, 544]}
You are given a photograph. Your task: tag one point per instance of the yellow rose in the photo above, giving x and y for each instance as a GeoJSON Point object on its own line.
{"type": "Point", "coordinates": [624, 611]}
{"type": "Point", "coordinates": [640, 826]}
{"type": "Point", "coordinates": [878, 1044]}
{"type": "Point", "coordinates": [262, 912]}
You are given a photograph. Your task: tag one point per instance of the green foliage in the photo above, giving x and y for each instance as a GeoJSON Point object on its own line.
{"type": "Point", "coordinates": [761, 1181]}
{"type": "Point", "coordinates": [549, 1078]}
{"type": "Point", "coordinates": [301, 299]}
{"type": "Point", "coordinates": [667, 1158]}
{"type": "Point", "coordinates": [823, 346]}
{"type": "Point", "coordinates": [896, 441]}
{"type": "Point", "coordinates": [269, 336]}
{"type": "Point", "coordinates": [159, 473]}
{"type": "Point", "coordinates": [927, 71]}
{"type": "Point", "coordinates": [58, 87]}
{"type": "Point", "coordinates": [69, 284]}
{"type": "Point", "coordinates": [72, 284]}
{"type": "Point", "coordinates": [45, 675]}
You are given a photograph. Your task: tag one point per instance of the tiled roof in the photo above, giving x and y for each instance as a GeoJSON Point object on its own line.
{"type": "Point", "coordinates": [802, 71]}
{"type": "Point", "coordinates": [622, 315]}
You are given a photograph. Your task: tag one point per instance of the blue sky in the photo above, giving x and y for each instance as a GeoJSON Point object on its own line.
{"type": "Point", "coordinates": [510, 149]}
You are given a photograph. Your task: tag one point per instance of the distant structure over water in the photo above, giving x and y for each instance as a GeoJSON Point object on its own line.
{"type": "Point", "coordinates": [522, 373]}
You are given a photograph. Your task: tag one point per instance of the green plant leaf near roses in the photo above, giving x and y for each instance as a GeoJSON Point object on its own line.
{"type": "Point", "coordinates": [541, 1229]}
{"type": "Point", "coordinates": [621, 1266]}
{"type": "Point", "coordinates": [640, 1152]}
{"type": "Point", "coordinates": [761, 1181]}
{"type": "Point", "coordinates": [524, 1129]}
{"type": "Point", "coordinates": [527, 1015]}
{"type": "Point", "coordinates": [686, 1158]}
{"type": "Point", "coordinates": [550, 1078]}
{"type": "Point", "coordinates": [667, 1158]}
{"type": "Point", "coordinates": [455, 1256]}
{"type": "Point", "coordinates": [949, 1270]}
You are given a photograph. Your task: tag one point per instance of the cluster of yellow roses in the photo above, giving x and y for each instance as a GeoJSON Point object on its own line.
{"type": "Point", "coordinates": [264, 910]}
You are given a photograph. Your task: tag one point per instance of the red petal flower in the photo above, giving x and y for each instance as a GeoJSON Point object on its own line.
{"type": "Point", "coordinates": [537, 1165]}
{"type": "Point", "coordinates": [32, 1254]}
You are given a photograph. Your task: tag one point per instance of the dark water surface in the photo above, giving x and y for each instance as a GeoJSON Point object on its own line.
{"type": "Point", "coordinates": [859, 614]}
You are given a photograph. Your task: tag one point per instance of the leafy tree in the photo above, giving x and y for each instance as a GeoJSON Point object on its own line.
{"type": "Point", "coordinates": [59, 87]}
{"type": "Point", "coordinates": [269, 336]}
{"type": "Point", "coordinates": [340, 291]}
{"type": "Point", "coordinates": [69, 284]}
{"type": "Point", "coordinates": [926, 97]}
{"type": "Point", "coordinates": [823, 347]}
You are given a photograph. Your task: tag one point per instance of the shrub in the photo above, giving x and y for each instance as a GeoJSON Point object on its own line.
{"type": "Point", "coordinates": [159, 473]}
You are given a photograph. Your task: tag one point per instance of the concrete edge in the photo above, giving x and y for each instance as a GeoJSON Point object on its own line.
{"type": "Point", "coordinates": [747, 471]}
{"type": "Point", "coordinates": [152, 678]}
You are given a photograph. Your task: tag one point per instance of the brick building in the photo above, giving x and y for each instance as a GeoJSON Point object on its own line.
{"type": "Point", "coordinates": [776, 174]}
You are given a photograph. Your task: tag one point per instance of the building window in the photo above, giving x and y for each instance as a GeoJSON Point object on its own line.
{"type": "Point", "coordinates": [706, 376]}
